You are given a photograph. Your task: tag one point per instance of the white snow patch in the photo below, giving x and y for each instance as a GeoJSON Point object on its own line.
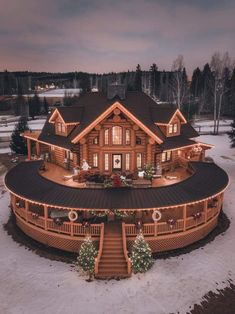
{"type": "Point", "coordinates": [32, 284]}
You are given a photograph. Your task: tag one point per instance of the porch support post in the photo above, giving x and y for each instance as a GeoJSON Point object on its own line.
{"type": "Point", "coordinates": [29, 148]}
{"type": "Point", "coordinates": [45, 216]}
{"type": "Point", "coordinates": [37, 149]}
{"type": "Point", "coordinates": [27, 210]}
{"type": "Point", "coordinates": [205, 209]}
{"type": "Point", "coordinates": [185, 216]}
{"type": "Point", "coordinates": [149, 153]}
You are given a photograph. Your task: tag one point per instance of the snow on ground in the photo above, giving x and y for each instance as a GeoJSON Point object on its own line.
{"type": "Point", "coordinates": [206, 126]}
{"type": "Point", "coordinates": [32, 284]}
{"type": "Point", "coordinates": [33, 124]}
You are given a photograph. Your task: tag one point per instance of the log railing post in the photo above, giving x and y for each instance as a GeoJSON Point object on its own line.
{"type": "Point", "coordinates": [155, 228]}
{"type": "Point", "coordinates": [29, 148]}
{"type": "Point", "coordinates": [71, 229]}
{"type": "Point", "coordinates": [38, 149]}
{"type": "Point", "coordinates": [185, 216]}
{"type": "Point", "coordinates": [45, 216]}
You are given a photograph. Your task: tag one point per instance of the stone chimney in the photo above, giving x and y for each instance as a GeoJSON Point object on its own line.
{"type": "Point", "coordinates": [116, 90]}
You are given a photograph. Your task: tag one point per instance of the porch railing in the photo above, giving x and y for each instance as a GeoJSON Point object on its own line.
{"type": "Point", "coordinates": [128, 261]}
{"type": "Point", "coordinates": [97, 260]}
{"type": "Point", "coordinates": [69, 228]}
{"type": "Point", "coordinates": [163, 228]}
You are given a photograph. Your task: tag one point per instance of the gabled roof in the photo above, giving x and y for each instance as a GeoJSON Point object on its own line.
{"type": "Point", "coordinates": [165, 114]}
{"type": "Point", "coordinates": [135, 102]}
{"type": "Point", "coordinates": [92, 105]}
{"type": "Point", "coordinates": [69, 115]}
{"type": "Point", "coordinates": [162, 114]}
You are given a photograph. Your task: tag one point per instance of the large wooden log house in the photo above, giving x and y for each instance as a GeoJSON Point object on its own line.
{"type": "Point", "coordinates": [144, 170]}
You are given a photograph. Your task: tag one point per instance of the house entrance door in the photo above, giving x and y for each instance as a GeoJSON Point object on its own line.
{"type": "Point", "coordinates": [117, 162]}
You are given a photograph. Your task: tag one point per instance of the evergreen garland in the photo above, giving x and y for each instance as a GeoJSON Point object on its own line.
{"type": "Point", "coordinates": [18, 143]}
{"type": "Point", "coordinates": [87, 255]}
{"type": "Point", "coordinates": [141, 255]}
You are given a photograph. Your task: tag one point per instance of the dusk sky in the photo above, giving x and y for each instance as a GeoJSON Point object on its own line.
{"type": "Point", "coordinates": [102, 36]}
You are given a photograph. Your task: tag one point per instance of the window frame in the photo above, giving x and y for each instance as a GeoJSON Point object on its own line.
{"type": "Point", "coordinates": [128, 137]}
{"type": "Point", "coordinates": [95, 160]}
{"type": "Point", "coordinates": [139, 160]}
{"type": "Point", "coordinates": [106, 162]}
{"type": "Point", "coordinates": [118, 136]}
{"type": "Point", "coordinates": [128, 162]}
{"type": "Point", "coordinates": [106, 137]}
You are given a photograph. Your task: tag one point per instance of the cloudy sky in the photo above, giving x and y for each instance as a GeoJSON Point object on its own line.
{"type": "Point", "coordinates": [103, 35]}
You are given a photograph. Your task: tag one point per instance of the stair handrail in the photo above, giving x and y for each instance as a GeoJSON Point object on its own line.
{"type": "Point", "coordinates": [97, 259]}
{"type": "Point", "coordinates": [128, 260]}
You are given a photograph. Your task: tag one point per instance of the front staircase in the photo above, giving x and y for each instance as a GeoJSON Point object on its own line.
{"type": "Point", "coordinates": [112, 260]}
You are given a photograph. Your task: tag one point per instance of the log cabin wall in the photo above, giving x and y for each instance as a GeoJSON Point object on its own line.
{"type": "Point", "coordinates": [57, 155]}
{"type": "Point", "coordinates": [138, 143]}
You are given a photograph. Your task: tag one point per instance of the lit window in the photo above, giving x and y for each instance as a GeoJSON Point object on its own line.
{"type": "Point", "coordinates": [106, 162]}
{"type": "Point", "coordinates": [127, 162]}
{"type": "Point", "coordinates": [170, 129]}
{"type": "Point", "coordinates": [106, 137]}
{"type": "Point", "coordinates": [95, 160]}
{"type": "Point", "coordinates": [117, 135]}
{"type": "Point", "coordinates": [96, 140]}
{"type": "Point", "coordinates": [69, 155]}
{"type": "Point", "coordinates": [175, 129]}
{"type": "Point", "coordinates": [63, 128]}
{"type": "Point", "coordinates": [138, 160]}
{"type": "Point", "coordinates": [138, 140]}
{"type": "Point", "coordinates": [166, 156]}
{"type": "Point", "coordinates": [128, 137]}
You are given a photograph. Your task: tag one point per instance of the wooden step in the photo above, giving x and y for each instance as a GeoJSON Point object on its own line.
{"type": "Point", "coordinates": [112, 263]}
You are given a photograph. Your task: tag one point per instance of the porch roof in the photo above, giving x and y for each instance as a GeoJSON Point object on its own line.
{"type": "Point", "coordinates": [207, 181]}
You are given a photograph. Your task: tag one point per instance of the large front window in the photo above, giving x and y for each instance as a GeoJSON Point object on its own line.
{"type": "Point", "coordinates": [117, 135]}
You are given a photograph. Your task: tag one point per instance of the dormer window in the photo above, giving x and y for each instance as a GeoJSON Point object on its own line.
{"type": "Point", "coordinates": [60, 128]}
{"type": "Point", "coordinates": [117, 135]}
{"type": "Point", "coordinates": [170, 128]}
{"type": "Point", "coordinates": [173, 128]}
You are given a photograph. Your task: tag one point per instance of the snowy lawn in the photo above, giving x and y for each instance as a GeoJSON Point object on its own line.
{"type": "Point", "coordinates": [32, 284]}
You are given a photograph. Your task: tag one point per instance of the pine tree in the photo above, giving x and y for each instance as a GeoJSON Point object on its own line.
{"type": "Point", "coordinates": [18, 144]}
{"type": "Point", "coordinates": [138, 78]}
{"type": "Point", "coordinates": [45, 105]}
{"type": "Point", "coordinates": [232, 133]}
{"type": "Point", "coordinates": [141, 255]}
{"type": "Point", "coordinates": [87, 255]}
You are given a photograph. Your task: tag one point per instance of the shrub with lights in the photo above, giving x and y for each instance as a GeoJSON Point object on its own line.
{"type": "Point", "coordinates": [87, 255]}
{"type": "Point", "coordinates": [141, 255]}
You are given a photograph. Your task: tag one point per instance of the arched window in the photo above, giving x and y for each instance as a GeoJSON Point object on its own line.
{"type": "Point", "coordinates": [117, 135]}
